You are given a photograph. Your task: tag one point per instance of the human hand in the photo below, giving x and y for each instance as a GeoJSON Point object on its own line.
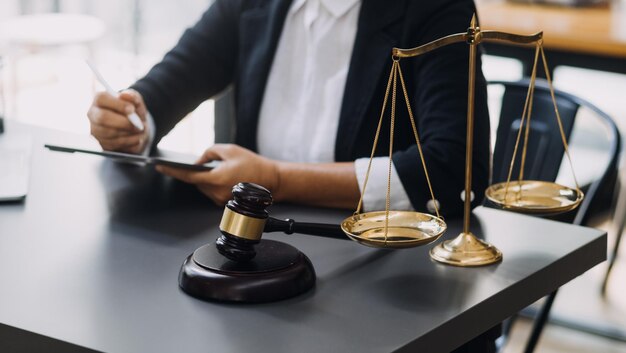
{"type": "Point", "coordinates": [238, 165]}
{"type": "Point", "coordinates": [108, 117]}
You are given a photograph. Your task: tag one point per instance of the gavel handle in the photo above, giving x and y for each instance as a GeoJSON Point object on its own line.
{"type": "Point", "coordinates": [290, 226]}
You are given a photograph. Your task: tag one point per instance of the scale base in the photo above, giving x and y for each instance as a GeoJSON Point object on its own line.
{"type": "Point", "coordinates": [279, 271]}
{"type": "Point", "coordinates": [466, 251]}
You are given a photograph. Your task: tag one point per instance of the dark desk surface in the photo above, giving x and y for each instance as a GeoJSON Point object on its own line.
{"type": "Point", "coordinates": [92, 256]}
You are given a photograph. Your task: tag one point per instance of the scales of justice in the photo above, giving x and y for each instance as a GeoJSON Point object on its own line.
{"type": "Point", "coordinates": [240, 267]}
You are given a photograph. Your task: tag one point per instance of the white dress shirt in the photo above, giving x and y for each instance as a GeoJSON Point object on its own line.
{"type": "Point", "coordinates": [300, 112]}
{"type": "Point", "coordinates": [299, 115]}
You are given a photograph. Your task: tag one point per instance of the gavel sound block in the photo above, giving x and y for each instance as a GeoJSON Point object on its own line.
{"type": "Point", "coordinates": [240, 267]}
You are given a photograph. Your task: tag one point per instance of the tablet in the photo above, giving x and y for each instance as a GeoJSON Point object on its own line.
{"type": "Point", "coordinates": [163, 158]}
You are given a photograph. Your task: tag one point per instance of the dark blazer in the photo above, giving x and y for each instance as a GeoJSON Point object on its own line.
{"type": "Point", "coordinates": [234, 44]}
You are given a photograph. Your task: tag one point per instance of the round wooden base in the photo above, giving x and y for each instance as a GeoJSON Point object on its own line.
{"type": "Point", "coordinates": [279, 271]}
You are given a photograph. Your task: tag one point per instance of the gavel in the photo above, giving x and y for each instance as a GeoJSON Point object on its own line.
{"type": "Point", "coordinates": [270, 270]}
{"type": "Point", "coordinates": [245, 219]}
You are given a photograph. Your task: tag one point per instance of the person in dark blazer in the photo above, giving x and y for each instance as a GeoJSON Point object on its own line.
{"type": "Point", "coordinates": [234, 44]}
{"type": "Point", "coordinates": [237, 43]}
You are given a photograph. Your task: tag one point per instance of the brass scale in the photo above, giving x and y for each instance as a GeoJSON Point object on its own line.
{"type": "Point", "coordinates": [403, 229]}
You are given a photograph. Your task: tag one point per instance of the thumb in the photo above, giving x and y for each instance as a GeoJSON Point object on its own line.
{"type": "Point", "coordinates": [130, 95]}
{"type": "Point", "coordinates": [215, 152]}
{"type": "Point", "coordinates": [134, 97]}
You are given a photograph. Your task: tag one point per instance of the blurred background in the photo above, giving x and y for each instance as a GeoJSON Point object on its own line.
{"type": "Point", "coordinates": [44, 44]}
{"type": "Point", "coordinates": [44, 81]}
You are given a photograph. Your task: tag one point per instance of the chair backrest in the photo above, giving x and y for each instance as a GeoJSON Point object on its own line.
{"type": "Point", "coordinates": [545, 147]}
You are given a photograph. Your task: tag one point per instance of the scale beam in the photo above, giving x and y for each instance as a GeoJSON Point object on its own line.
{"type": "Point", "coordinates": [473, 35]}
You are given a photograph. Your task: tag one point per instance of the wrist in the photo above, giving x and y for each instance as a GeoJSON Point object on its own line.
{"type": "Point", "coordinates": [278, 189]}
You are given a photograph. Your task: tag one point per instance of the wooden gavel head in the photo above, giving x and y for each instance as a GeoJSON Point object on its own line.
{"type": "Point", "coordinates": [243, 221]}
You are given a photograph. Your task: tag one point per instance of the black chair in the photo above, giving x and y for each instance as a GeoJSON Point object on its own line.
{"type": "Point", "coordinates": [544, 155]}
{"type": "Point", "coordinates": [619, 222]}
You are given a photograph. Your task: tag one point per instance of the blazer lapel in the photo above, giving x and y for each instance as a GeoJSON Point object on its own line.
{"type": "Point", "coordinates": [260, 30]}
{"type": "Point", "coordinates": [371, 58]}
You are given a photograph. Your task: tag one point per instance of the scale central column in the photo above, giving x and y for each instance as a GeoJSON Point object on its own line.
{"type": "Point", "coordinates": [466, 250]}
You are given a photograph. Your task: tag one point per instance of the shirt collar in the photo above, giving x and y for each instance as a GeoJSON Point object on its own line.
{"type": "Point", "coordinates": [337, 8]}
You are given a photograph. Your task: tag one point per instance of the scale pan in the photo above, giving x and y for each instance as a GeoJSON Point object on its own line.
{"type": "Point", "coordinates": [406, 229]}
{"type": "Point", "coordinates": [536, 197]}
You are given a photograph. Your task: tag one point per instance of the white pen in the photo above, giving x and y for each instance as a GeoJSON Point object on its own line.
{"type": "Point", "coordinates": [134, 118]}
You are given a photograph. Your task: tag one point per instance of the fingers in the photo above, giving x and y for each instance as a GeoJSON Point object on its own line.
{"type": "Point", "coordinates": [104, 100]}
{"type": "Point", "coordinates": [238, 164]}
{"type": "Point", "coordinates": [102, 132]}
{"type": "Point", "coordinates": [110, 117]}
{"type": "Point", "coordinates": [130, 95]}
{"type": "Point", "coordinates": [109, 123]}
{"type": "Point", "coordinates": [132, 144]}
{"type": "Point", "coordinates": [115, 132]}
{"type": "Point", "coordinates": [185, 175]}
{"type": "Point", "coordinates": [209, 155]}
{"type": "Point", "coordinates": [134, 97]}
{"type": "Point", "coordinates": [220, 152]}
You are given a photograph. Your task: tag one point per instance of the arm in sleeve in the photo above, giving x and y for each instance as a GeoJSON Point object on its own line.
{"type": "Point", "coordinates": [375, 196]}
{"type": "Point", "coordinates": [201, 65]}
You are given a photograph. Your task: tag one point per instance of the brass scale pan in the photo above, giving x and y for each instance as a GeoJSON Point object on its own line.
{"type": "Point", "coordinates": [534, 197]}
{"type": "Point", "coordinates": [406, 229]}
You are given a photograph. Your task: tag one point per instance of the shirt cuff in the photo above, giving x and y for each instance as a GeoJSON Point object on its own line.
{"type": "Point", "coordinates": [376, 191]}
{"type": "Point", "coordinates": [151, 133]}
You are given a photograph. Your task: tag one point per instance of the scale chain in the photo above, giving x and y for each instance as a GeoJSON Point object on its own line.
{"type": "Point", "coordinates": [524, 120]}
{"type": "Point", "coordinates": [417, 141]}
{"type": "Point", "coordinates": [380, 123]}
{"type": "Point", "coordinates": [393, 121]}
{"type": "Point", "coordinates": [526, 115]}
{"type": "Point", "coordinates": [392, 84]}
{"type": "Point", "coordinates": [558, 118]}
